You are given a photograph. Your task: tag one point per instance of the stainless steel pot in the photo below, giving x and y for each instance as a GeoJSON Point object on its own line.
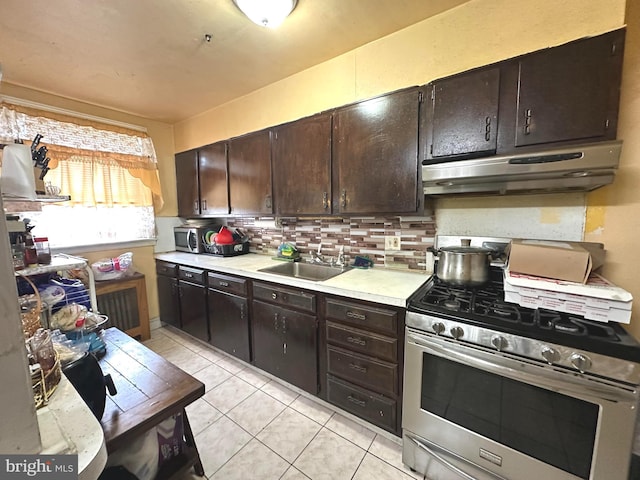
{"type": "Point", "coordinates": [464, 265]}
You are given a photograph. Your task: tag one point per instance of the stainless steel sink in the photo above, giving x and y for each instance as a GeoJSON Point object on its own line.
{"type": "Point", "coordinates": [306, 271]}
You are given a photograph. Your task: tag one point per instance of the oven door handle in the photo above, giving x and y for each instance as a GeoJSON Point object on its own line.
{"type": "Point", "coordinates": [504, 366]}
{"type": "Point", "coordinates": [430, 449]}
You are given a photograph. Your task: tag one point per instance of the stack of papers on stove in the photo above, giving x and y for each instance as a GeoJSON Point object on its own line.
{"type": "Point", "coordinates": [597, 299]}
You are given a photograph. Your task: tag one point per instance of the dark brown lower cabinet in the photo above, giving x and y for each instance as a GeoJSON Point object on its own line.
{"type": "Point", "coordinates": [193, 310]}
{"type": "Point", "coordinates": [229, 323]}
{"type": "Point", "coordinates": [168, 300]}
{"type": "Point", "coordinates": [363, 354]}
{"type": "Point", "coordinates": [193, 302]}
{"type": "Point", "coordinates": [285, 344]}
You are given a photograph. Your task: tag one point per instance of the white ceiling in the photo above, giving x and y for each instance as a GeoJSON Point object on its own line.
{"type": "Point", "coordinates": [149, 57]}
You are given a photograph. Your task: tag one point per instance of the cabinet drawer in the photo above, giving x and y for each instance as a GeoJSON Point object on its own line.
{"type": "Point", "coordinates": [367, 405]}
{"type": "Point", "coordinates": [193, 275]}
{"type": "Point", "coordinates": [363, 342]}
{"type": "Point", "coordinates": [284, 296]}
{"type": "Point", "coordinates": [226, 283]}
{"type": "Point", "coordinates": [363, 315]}
{"type": "Point", "coordinates": [166, 268]}
{"type": "Point", "coordinates": [366, 371]}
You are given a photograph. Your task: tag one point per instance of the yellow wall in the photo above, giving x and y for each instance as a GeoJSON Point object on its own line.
{"type": "Point", "coordinates": [162, 136]}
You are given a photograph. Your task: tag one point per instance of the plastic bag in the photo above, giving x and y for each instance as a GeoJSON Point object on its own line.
{"type": "Point", "coordinates": [112, 268]}
{"type": "Point", "coordinates": [140, 456]}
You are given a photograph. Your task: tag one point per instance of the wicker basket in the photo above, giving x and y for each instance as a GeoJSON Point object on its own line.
{"type": "Point", "coordinates": [30, 309]}
{"type": "Point", "coordinates": [45, 383]}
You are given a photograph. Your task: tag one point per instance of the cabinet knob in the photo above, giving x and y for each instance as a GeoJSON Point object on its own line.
{"type": "Point", "coordinates": [274, 295]}
{"type": "Point", "coordinates": [224, 284]}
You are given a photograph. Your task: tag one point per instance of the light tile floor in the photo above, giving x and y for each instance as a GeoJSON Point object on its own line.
{"type": "Point", "coordinates": [248, 425]}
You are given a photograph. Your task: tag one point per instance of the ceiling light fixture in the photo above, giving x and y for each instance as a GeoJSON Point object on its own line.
{"type": "Point", "coordinates": [266, 13]}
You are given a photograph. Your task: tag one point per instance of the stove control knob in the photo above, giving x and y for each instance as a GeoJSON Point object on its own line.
{"type": "Point", "coordinates": [438, 327]}
{"type": "Point", "coordinates": [551, 355]}
{"type": "Point", "coordinates": [499, 342]}
{"type": "Point", "coordinates": [580, 361]}
{"type": "Point", "coordinates": [456, 332]}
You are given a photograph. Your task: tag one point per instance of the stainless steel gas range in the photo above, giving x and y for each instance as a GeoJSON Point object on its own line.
{"type": "Point", "coordinates": [493, 390]}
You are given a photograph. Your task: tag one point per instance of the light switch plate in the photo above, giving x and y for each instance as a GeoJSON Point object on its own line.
{"type": "Point", "coordinates": [392, 242]}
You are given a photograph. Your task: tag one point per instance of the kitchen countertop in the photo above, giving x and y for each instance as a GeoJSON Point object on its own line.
{"type": "Point", "coordinates": [377, 284]}
{"type": "Point", "coordinates": [67, 426]}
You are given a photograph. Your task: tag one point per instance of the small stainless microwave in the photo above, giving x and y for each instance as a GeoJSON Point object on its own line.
{"type": "Point", "coordinates": [190, 238]}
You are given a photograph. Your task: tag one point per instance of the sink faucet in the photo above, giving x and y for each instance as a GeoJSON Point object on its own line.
{"type": "Point", "coordinates": [340, 262]}
{"type": "Point", "coordinates": [316, 257]}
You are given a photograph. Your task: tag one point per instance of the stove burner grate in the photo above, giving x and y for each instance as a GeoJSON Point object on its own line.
{"type": "Point", "coordinates": [486, 304]}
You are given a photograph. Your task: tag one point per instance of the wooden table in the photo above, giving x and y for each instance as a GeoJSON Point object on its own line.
{"type": "Point", "coordinates": [150, 390]}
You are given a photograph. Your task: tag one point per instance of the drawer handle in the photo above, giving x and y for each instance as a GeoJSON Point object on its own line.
{"type": "Point", "coordinates": [188, 275]}
{"type": "Point", "coordinates": [357, 368]}
{"type": "Point", "coordinates": [356, 341]}
{"type": "Point", "coordinates": [224, 284]}
{"type": "Point", "coordinates": [357, 401]}
{"type": "Point", "coordinates": [274, 295]}
{"type": "Point", "coordinates": [357, 316]}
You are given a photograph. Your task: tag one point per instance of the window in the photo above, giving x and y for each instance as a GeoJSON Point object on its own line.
{"type": "Point", "coordinates": [108, 171]}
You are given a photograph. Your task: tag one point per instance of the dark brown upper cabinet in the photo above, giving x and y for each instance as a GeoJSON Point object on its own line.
{"type": "Point", "coordinates": [560, 95]}
{"type": "Point", "coordinates": [571, 92]}
{"type": "Point", "coordinates": [187, 184]}
{"type": "Point", "coordinates": [201, 179]}
{"type": "Point", "coordinates": [375, 155]}
{"type": "Point", "coordinates": [212, 171]}
{"type": "Point", "coordinates": [250, 174]}
{"type": "Point", "coordinates": [301, 163]}
{"type": "Point", "coordinates": [462, 113]}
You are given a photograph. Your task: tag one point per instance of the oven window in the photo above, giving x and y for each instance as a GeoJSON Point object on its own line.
{"type": "Point", "coordinates": [554, 428]}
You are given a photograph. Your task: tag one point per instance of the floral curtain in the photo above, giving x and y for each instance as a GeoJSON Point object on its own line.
{"type": "Point", "coordinates": [94, 162]}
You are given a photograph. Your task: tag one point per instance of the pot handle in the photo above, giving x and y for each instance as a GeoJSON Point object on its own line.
{"type": "Point", "coordinates": [433, 250]}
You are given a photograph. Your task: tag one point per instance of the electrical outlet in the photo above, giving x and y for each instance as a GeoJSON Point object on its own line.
{"type": "Point", "coordinates": [392, 242]}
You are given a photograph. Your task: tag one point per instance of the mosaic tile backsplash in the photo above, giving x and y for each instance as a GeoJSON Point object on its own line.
{"type": "Point", "coordinates": [358, 236]}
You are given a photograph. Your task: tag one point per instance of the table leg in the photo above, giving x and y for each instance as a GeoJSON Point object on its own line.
{"type": "Point", "coordinates": [188, 436]}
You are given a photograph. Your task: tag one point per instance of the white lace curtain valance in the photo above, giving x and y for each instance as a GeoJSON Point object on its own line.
{"type": "Point", "coordinates": [76, 140]}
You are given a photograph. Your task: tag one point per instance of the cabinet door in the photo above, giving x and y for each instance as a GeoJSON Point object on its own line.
{"type": "Point", "coordinates": [375, 155]}
{"type": "Point", "coordinates": [302, 166]}
{"type": "Point", "coordinates": [229, 323]}
{"type": "Point", "coordinates": [285, 344]}
{"type": "Point", "coordinates": [193, 310]}
{"type": "Point", "coordinates": [300, 350]}
{"type": "Point", "coordinates": [214, 191]}
{"type": "Point", "coordinates": [570, 92]}
{"type": "Point", "coordinates": [464, 117]}
{"type": "Point", "coordinates": [267, 338]}
{"type": "Point", "coordinates": [250, 174]}
{"type": "Point", "coordinates": [168, 300]}
{"type": "Point", "coordinates": [187, 184]}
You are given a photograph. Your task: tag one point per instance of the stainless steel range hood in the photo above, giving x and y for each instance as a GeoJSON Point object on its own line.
{"type": "Point", "coordinates": [574, 168]}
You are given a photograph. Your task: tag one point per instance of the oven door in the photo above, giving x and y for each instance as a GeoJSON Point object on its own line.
{"type": "Point", "coordinates": [471, 413]}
